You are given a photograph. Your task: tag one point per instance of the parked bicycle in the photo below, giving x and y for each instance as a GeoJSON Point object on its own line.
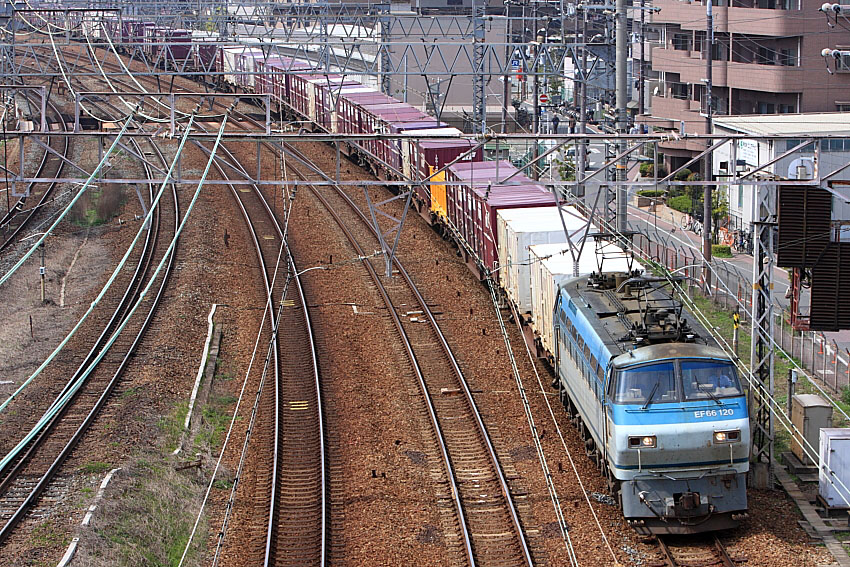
{"type": "Point", "coordinates": [689, 222]}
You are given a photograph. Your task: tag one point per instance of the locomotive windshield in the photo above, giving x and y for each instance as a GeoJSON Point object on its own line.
{"type": "Point", "coordinates": [709, 379]}
{"type": "Point", "coordinates": [672, 381]}
{"type": "Point", "coordinates": [644, 384]}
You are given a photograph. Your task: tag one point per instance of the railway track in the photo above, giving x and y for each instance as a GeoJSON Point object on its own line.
{"type": "Point", "coordinates": [25, 208]}
{"type": "Point", "coordinates": [688, 553]}
{"type": "Point", "coordinates": [296, 530]}
{"type": "Point", "coordinates": [488, 524]}
{"type": "Point", "coordinates": [489, 528]}
{"type": "Point", "coordinates": [29, 469]}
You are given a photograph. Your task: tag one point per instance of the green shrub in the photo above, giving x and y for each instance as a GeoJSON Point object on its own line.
{"type": "Point", "coordinates": [654, 193]}
{"type": "Point", "coordinates": [682, 174]}
{"type": "Point", "coordinates": [681, 203]}
{"type": "Point", "coordinates": [721, 251]}
{"type": "Point", "coordinates": [647, 168]}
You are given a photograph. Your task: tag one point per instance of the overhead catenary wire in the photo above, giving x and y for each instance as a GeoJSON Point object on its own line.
{"type": "Point", "coordinates": [70, 392]}
{"type": "Point", "coordinates": [112, 277]}
{"type": "Point", "coordinates": [67, 209]}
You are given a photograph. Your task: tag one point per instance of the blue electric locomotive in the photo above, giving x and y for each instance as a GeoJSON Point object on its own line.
{"type": "Point", "coordinates": [661, 408]}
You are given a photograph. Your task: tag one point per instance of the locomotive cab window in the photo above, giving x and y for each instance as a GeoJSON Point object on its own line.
{"type": "Point", "coordinates": [706, 379]}
{"type": "Point", "coordinates": [650, 383]}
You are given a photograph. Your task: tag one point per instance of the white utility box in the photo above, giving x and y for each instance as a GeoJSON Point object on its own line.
{"type": "Point", "coordinates": [809, 413]}
{"type": "Point", "coordinates": [834, 473]}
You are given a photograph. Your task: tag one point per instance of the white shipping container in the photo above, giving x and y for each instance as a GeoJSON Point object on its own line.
{"type": "Point", "coordinates": [246, 63]}
{"type": "Point", "coordinates": [834, 473]}
{"type": "Point", "coordinates": [229, 63]}
{"type": "Point", "coordinates": [551, 266]}
{"type": "Point", "coordinates": [516, 231]}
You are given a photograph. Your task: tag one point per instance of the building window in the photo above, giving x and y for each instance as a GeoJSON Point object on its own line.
{"type": "Point", "coordinates": [788, 57]}
{"type": "Point", "coordinates": [836, 145]}
{"type": "Point", "coordinates": [842, 64]}
{"type": "Point", "coordinates": [740, 196]}
{"type": "Point", "coordinates": [842, 106]}
{"type": "Point", "coordinates": [679, 90]}
{"type": "Point", "coordinates": [766, 108]}
{"type": "Point", "coordinates": [681, 42]}
{"type": "Point", "coordinates": [765, 56]}
{"type": "Point", "coordinates": [786, 109]}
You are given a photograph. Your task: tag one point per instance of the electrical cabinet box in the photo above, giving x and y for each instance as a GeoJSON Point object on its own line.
{"type": "Point", "coordinates": [809, 413]}
{"type": "Point", "coordinates": [834, 473]}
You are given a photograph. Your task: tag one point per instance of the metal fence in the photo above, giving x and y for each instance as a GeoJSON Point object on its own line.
{"type": "Point", "coordinates": [731, 288]}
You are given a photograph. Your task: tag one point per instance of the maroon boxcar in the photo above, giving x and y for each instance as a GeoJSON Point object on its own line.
{"type": "Point", "coordinates": [328, 93]}
{"type": "Point", "coordinates": [475, 192]}
{"type": "Point", "coordinates": [179, 44]}
{"type": "Point", "coordinates": [425, 156]}
{"type": "Point", "coordinates": [377, 118]}
{"type": "Point", "coordinates": [204, 51]}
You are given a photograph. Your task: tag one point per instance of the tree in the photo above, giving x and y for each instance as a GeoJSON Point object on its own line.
{"type": "Point", "coordinates": [566, 169]}
{"type": "Point", "coordinates": [719, 211]}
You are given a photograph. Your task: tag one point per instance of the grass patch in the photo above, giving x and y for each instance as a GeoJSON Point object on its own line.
{"type": "Point", "coordinates": [97, 206]}
{"type": "Point", "coordinates": [130, 392]}
{"type": "Point", "coordinates": [681, 203]}
{"type": "Point", "coordinates": [146, 519]}
{"type": "Point", "coordinates": [172, 425]}
{"type": "Point", "coordinates": [215, 419]}
{"type": "Point", "coordinates": [95, 467]}
{"type": "Point", "coordinates": [46, 534]}
{"type": "Point", "coordinates": [721, 251]}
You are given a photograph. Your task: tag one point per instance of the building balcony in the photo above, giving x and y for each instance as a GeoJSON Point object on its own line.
{"type": "Point", "coordinates": [754, 21]}
{"type": "Point", "coordinates": [671, 108]}
{"type": "Point", "coordinates": [751, 76]}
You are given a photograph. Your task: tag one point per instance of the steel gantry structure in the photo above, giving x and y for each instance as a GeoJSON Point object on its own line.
{"type": "Point", "coordinates": [45, 46]}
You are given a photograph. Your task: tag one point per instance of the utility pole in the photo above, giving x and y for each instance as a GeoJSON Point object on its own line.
{"type": "Point", "coordinates": [386, 61]}
{"type": "Point", "coordinates": [479, 109]}
{"type": "Point", "coordinates": [506, 87]}
{"type": "Point", "coordinates": [706, 195]}
{"type": "Point", "coordinates": [535, 104]}
{"type": "Point", "coordinates": [641, 79]}
{"type": "Point", "coordinates": [622, 98]}
{"type": "Point", "coordinates": [581, 166]}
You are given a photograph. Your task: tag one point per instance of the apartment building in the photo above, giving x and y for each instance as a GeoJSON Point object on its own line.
{"type": "Point", "coordinates": [766, 60]}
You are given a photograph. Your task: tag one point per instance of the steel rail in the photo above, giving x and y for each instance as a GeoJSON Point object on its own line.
{"type": "Point", "coordinates": [18, 207]}
{"type": "Point", "coordinates": [273, 501]}
{"type": "Point", "coordinates": [716, 547]}
{"type": "Point", "coordinates": [44, 480]}
{"type": "Point", "coordinates": [10, 466]}
{"type": "Point", "coordinates": [454, 364]}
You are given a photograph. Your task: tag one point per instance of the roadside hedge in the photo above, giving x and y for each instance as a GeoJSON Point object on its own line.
{"type": "Point", "coordinates": [681, 203]}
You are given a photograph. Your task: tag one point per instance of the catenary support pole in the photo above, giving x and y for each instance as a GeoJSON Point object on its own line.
{"type": "Point", "coordinates": [621, 35]}
{"type": "Point", "coordinates": [581, 166]}
{"type": "Point", "coordinates": [706, 196]}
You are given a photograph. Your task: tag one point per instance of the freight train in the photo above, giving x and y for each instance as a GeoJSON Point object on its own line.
{"type": "Point", "coordinates": [660, 406]}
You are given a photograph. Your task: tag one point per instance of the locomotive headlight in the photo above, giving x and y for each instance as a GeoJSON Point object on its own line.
{"type": "Point", "coordinates": [642, 442]}
{"type": "Point", "coordinates": [731, 436]}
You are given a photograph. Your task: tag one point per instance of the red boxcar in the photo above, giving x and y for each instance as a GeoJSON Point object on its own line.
{"type": "Point", "coordinates": [476, 191]}
{"type": "Point", "coordinates": [422, 157]}
{"type": "Point", "coordinates": [204, 51]}
{"type": "Point", "coordinates": [179, 43]}
{"type": "Point", "coordinates": [328, 93]}
{"type": "Point", "coordinates": [377, 118]}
